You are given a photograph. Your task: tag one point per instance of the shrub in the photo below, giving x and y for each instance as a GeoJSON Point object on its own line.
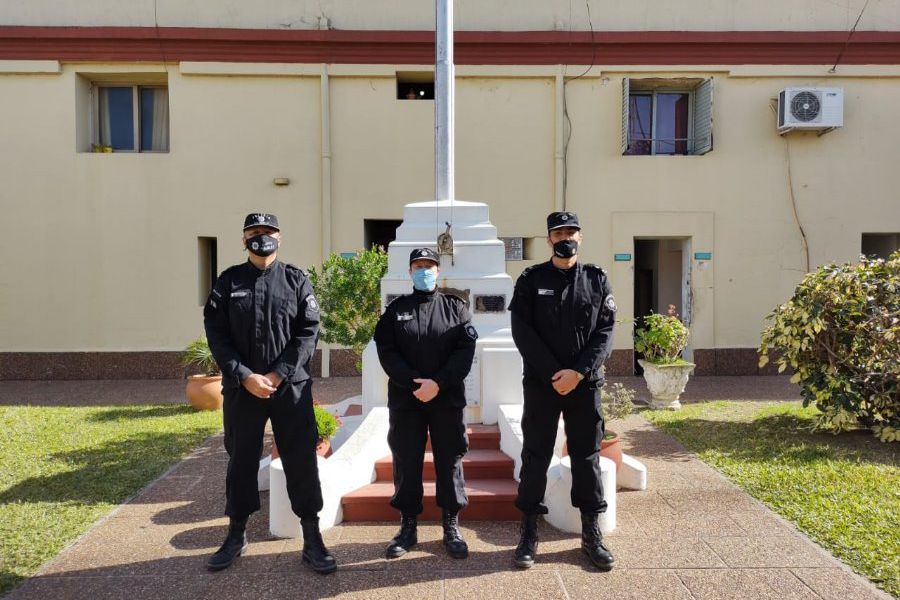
{"type": "Point", "coordinates": [661, 338]}
{"type": "Point", "coordinates": [327, 424]}
{"type": "Point", "coordinates": [840, 333]}
{"type": "Point", "coordinates": [618, 401]}
{"type": "Point", "coordinates": [348, 289]}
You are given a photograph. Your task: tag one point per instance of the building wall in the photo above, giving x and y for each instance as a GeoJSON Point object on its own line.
{"type": "Point", "coordinates": [111, 239]}
{"type": "Point", "coordinates": [99, 252]}
{"type": "Point", "coordinates": [507, 15]}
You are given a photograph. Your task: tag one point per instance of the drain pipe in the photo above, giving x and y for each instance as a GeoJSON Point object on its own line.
{"type": "Point", "coordinates": [559, 152]}
{"type": "Point", "coordinates": [325, 87]}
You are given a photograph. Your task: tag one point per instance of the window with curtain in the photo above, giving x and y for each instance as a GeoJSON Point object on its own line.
{"type": "Point", "coordinates": [132, 118]}
{"type": "Point", "coordinates": [662, 116]}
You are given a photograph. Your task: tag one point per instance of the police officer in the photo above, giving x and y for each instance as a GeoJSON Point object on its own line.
{"type": "Point", "coordinates": [262, 323]}
{"type": "Point", "coordinates": [426, 344]}
{"type": "Point", "coordinates": [562, 323]}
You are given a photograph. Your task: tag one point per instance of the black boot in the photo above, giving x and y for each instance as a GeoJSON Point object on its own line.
{"type": "Point", "coordinates": [405, 539]}
{"type": "Point", "coordinates": [453, 540]}
{"type": "Point", "coordinates": [528, 542]}
{"type": "Point", "coordinates": [234, 545]}
{"type": "Point", "coordinates": [315, 555]}
{"type": "Point", "coordinates": [592, 543]}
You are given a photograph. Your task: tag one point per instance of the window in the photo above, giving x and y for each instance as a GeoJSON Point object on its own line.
{"type": "Point", "coordinates": [379, 232]}
{"type": "Point", "coordinates": [880, 245]}
{"type": "Point", "coordinates": [666, 116]}
{"type": "Point", "coordinates": [207, 265]}
{"type": "Point", "coordinates": [131, 118]}
{"type": "Point", "coordinates": [415, 86]}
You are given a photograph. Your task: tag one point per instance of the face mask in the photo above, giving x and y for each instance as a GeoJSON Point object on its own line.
{"type": "Point", "coordinates": [262, 245]}
{"type": "Point", "coordinates": [565, 248]}
{"type": "Point", "coordinates": [424, 279]}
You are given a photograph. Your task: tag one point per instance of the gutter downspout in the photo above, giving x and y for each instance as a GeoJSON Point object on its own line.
{"type": "Point", "coordinates": [559, 151]}
{"type": "Point", "coordinates": [325, 87]}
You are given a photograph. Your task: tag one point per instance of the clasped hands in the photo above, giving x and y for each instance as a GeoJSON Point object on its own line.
{"type": "Point", "coordinates": [428, 389]}
{"type": "Point", "coordinates": [566, 380]}
{"type": "Point", "coordinates": [262, 386]}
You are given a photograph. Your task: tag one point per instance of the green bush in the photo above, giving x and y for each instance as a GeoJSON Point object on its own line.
{"type": "Point", "coordinates": [661, 339]}
{"type": "Point", "coordinates": [840, 333]}
{"type": "Point", "coordinates": [618, 401]}
{"type": "Point", "coordinates": [198, 354]}
{"type": "Point", "coordinates": [326, 423]}
{"type": "Point", "coordinates": [349, 294]}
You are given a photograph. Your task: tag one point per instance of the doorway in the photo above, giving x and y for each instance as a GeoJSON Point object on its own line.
{"type": "Point", "coordinates": [662, 272]}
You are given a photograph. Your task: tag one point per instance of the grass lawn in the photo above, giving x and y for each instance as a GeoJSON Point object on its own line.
{"type": "Point", "coordinates": [63, 468]}
{"type": "Point", "coordinates": [842, 491]}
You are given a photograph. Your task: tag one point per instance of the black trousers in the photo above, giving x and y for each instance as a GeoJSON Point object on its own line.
{"type": "Point", "coordinates": [583, 417]}
{"type": "Point", "coordinates": [407, 437]}
{"type": "Point", "coordinates": [294, 426]}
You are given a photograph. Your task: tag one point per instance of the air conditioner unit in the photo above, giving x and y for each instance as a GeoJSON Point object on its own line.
{"type": "Point", "coordinates": [816, 109]}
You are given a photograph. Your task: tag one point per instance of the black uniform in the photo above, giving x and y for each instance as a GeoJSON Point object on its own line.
{"type": "Point", "coordinates": [562, 319]}
{"type": "Point", "coordinates": [427, 335]}
{"type": "Point", "coordinates": [258, 321]}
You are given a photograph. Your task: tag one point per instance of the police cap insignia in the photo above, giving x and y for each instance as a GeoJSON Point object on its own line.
{"type": "Point", "coordinates": [261, 219]}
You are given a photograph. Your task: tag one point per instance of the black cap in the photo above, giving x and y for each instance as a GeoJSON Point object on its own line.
{"type": "Point", "coordinates": [555, 220]}
{"type": "Point", "coordinates": [424, 254]}
{"type": "Point", "coordinates": [261, 220]}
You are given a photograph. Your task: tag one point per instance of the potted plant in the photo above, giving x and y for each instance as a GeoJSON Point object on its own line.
{"type": "Point", "coordinates": [661, 341]}
{"type": "Point", "coordinates": [327, 425]}
{"type": "Point", "coordinates": [618, 403]}
{"type": "Point", "coordinates": [204, 391]}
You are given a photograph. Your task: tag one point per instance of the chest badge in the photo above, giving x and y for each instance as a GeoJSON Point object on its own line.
{"type": "Point", "coordinates": [240, 293]}
{"type": "Point", "coordinates": [404, 316]}
{"type": "Point", "coordinates": [545, 292]}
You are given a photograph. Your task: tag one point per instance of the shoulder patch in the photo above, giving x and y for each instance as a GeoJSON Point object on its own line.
{"type": "Point", "coordinates": [610, 303]}
{"type": "Point", "coordinates": [471, 332]}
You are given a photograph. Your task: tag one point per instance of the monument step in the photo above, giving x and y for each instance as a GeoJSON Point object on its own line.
{"type": "Point", "coordinates": [489, 500]}
{"type": "Point", "coordinates": [481, 437]}
{"type": "Point", "coordinates": [477, 464]}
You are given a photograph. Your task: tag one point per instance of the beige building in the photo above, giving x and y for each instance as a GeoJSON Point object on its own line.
{"type": "Point", "coordinates": [655, 121]}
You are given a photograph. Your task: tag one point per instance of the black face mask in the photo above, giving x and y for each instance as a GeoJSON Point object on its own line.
{"type": "Point", "coordinates": [565, 248]}
{"type": "Point", "coordinates": [262, 245]}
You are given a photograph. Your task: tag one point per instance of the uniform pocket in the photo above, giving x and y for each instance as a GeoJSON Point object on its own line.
{"type": "Point", "coordinates": [240, 303]}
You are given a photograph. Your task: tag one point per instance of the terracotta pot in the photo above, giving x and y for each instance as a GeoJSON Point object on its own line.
{"type": "Point", "coordinates": [610, 448]}
{"type": "Point", "coordinates": [204, 392]}
{"type": "Point", "coordinates": [322, 449]}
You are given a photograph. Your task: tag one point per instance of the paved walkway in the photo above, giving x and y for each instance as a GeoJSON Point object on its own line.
{"type": "Point", "coordinates": [692, 534]}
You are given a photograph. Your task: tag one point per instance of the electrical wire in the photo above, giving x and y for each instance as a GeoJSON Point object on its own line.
{"type": "Point", "coordinates": [790, 178]}
{"type": "Point", "coordinates": [850, 35]}
{"type": "Point", "coordinates": [565, 105]}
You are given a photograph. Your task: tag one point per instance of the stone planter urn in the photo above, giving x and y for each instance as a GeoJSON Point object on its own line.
{"type": "Point", "coordinates": [204, 392]}
{"type": "Point", "coordinates": [666, 383]}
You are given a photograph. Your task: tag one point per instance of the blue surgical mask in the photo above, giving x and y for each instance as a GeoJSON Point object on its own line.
{"type": "Point", "coordinates": [424, 279]}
